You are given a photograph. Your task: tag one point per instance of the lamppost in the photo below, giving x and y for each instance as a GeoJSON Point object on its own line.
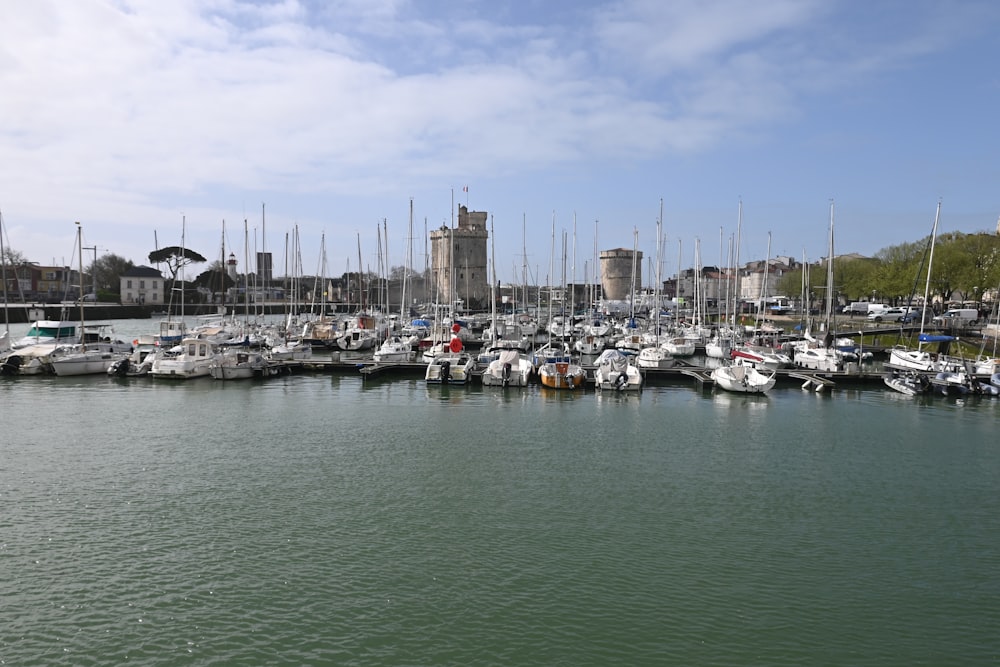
{"type": "Point", "coordinates": [93, 268]}
{"type": "Point", "coordinates": [975, 296]}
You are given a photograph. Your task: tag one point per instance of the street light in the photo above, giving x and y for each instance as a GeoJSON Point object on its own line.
{"type": "Point", "coordinates": [93, 268]}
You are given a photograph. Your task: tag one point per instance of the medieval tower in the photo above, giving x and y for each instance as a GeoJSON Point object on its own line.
{"type": "Point", "coordinates": [617, 267]}
{"type": "Point", "coordinates": [458, 261]}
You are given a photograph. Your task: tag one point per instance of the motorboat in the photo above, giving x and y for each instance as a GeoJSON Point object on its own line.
{"type": "Point", "coordinates": [394, 348]}
{"type": "Point", "coordinates": [740, 376]}
{"type": "Point", "coordinates": [615, 371]}
{"type": "Point", "coordinates": [510, 367]}
{"type": "Point", "coordinates": [909, 382]}
{"type": "Point", "coordinates": [561, 374]}
{"type": "Point", "coordinates": [191, 359]}
{"type": "Point", "coordinates": [450, 368]}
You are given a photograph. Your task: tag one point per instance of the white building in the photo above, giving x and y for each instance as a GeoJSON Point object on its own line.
{"type": "Point", "coordinates": [142, 285]}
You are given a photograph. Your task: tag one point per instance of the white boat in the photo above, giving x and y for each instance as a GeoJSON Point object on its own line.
{"type": "Point", "coordinates": [191, 359]}
{"type": "Point", "coordinates": [450, 368]}
{"type": "Point", "coordinates": [358, 338]}
{"type": "Point", "coordinates": [629, 343]}
{"type": "Point", "coordinates": [291, 351]}
{"type": "Point", "coordinates": [394, 349]}
{"type": "Point", "coordinates": [903, 358]}
{"type": "Point", "coordinates": [743, 377]}
{"type": "Point", "coordinates": [321, 334]}
{"type": "Point", "coordinates": [241, 363]}
{"type": "Point", "coordinates": [761, 357]}
{"type": "Point", "coordinates": [510, 368]}
{"type": "Point", "coordinates": [590, 344]}
{"type": "Point", "coordinates": [822, 355]}
{"type": "Point", "coordinates": [818, 358]}
{"type": "Point", "coordinates": [654, 357]}
{"type": "Point", "coordinates": [138, 363]}
{"type": "Point", "coordinates": [911, 383]}
{"type": "Point", "coordinates": [29, 355]}
{"type": "Point", "coordinates": [172, 332]}
{"type": "Point", "coordinates": [90, 359]}
{"type": "Point", "coordinates": [615, 371]}
{"type": "Point", "coordinates": [93, 354]}
{"type": "Point", "coordinates": [679, 346]}
{"type": "Point", "coordinates": [719, 347]}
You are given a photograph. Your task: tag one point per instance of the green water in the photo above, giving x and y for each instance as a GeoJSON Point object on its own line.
{"type": "Point", "coordinates": [314, 519]}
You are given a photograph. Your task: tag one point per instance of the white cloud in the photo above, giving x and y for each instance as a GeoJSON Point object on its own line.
{"type": "Point", "coordinates": [124, 110]}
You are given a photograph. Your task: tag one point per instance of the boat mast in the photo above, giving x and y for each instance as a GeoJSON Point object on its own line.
{"type": "Point", "coordinates": [635, 252]}
{"type": "Point", "coordinates": [79, 246]}
{"type": "Point", "coordinates": [493, 283]}
{"type": "Point", "coordinates": [930, 263]}
{"type": "Point", "coordinates": [829, 278]}
{"type": "Point", "coordinates": [3, 272]}
{"type": "Point", "coordinates": [659, 276]}
{"type": "Point", "coordinates": [736, 264]}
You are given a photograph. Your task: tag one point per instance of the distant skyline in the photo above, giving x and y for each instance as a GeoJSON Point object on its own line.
{"type": "Point", "coordinates": [131, 115]}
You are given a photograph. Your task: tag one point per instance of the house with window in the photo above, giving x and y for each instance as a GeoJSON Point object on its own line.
{"type": "Point", "coordinates": [142, 285]}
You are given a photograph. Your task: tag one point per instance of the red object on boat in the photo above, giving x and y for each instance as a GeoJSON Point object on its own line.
{"type": "Point", "coordinates": [455, 345]}
{"type": "Point", "coordinates": [456, 327]}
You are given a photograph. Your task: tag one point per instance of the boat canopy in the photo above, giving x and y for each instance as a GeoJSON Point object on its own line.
{"type": "Point", "coordinates": [934, 338]}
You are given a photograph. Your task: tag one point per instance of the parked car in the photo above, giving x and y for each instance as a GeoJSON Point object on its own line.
{"type": "Point", "coordinates": [958, 317]}
{"type": "Point", "coordinates": [913, 317]}
{"type": "Point", "coordinates": [888, 315]}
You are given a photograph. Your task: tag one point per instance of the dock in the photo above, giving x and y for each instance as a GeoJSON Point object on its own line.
{"type": "Point", "coordinates": [682, 372]}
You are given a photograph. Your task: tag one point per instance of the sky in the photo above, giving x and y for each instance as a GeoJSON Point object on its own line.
{"type": "Point", "coordinates": [576, 125]}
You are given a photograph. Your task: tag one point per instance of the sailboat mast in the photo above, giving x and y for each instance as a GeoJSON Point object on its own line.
{"type": "Point", "coordinates": [3, 269]}
{"type": "Point", "coordinates": [572, 289]}
{"type": "Point", "coordinates": [659, 263]}
{"type": "Point", "coordinates": [361, 282]}
{"type": "Point", "coordinates": [930, 263]}
{"type": "Point", "coordinates": [829, 276]}
{"type": "Point", "coordinates": [79, 246]}
{"type": "Point", "coordinates": [493, 283]}
{"type": "Point", "coordinates": [736, 264]}
{"type": "Point", "coordinates": [635, 253]}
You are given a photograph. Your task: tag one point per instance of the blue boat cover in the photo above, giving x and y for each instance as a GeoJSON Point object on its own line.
{"type": "Point", "coordinates": [934, 338]}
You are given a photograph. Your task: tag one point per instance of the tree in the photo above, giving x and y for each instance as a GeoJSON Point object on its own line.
{"type": "Point", "coordinates": [215, 280]}
{"type": "Point", "coordinates": [12, 257]}
{"type": "Point", "coordinates": [175, 258]}
{"type": "Point", "coordinates": [107, 270]}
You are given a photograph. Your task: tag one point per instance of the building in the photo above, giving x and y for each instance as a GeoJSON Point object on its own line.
{"type": "Point", "coordinates": [621, 269]}
{"type": "Point", "coordinates": [265, 271]}
{"type": "Point", "coordinates": [33, 282]}
{"type": "Point", "coordinates": [142, 285]}
{"type": "Point", "coordinates": [458, 261]}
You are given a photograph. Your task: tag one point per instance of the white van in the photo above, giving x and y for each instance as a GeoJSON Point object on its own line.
{"type": "Point", "coordinates": [957, 317]}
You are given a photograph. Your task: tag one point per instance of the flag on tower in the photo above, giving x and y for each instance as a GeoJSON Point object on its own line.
{"type": "Point", "coordinates": [465, 188]}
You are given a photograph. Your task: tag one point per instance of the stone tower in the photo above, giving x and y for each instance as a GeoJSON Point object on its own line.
{"type": "Point", "coordinates": [616, 273]}
{"type": "Point", "coordinates": [458, 261]}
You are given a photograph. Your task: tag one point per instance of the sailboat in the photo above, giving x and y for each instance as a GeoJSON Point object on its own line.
{"type": "Point", "coordinates": [507, 363]}
{"type": "Point", "coordinates": [95, 353]}
{"type": "Point", "coordinates": [756, 352]}
{"type": "Point", "coordinates": [903, 358]}
{"type": "Point", "coordinates": [817, 355]}
{"type": "Point", "coordinates": [656, 355]}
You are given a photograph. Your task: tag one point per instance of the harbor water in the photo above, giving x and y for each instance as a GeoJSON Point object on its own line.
{"type": "Point", "coordinates": [319, 519]}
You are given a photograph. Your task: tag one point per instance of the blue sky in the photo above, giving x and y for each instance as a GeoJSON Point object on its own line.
{"type": "Point", "coordinates": [130, 116]}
